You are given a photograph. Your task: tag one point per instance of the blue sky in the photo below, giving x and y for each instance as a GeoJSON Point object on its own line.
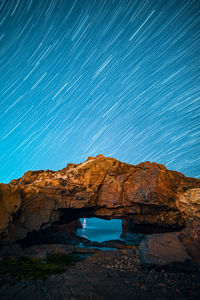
{"type": "Point", "coordinates": [84, 77]}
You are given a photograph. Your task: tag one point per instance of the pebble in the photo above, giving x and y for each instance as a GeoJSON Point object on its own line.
{"type": "Point", "coordinates": [124, 263]}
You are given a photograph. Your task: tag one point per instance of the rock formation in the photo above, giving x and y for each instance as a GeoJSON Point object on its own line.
{"type": "Point", "coordinates": [190, 238]}
{"type": "Point", "coordinates": [147, 193]}
{"type": "Point", "coordinates": [165, 250]}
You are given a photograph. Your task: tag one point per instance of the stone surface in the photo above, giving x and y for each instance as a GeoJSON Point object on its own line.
{"type": "Point", "coordinates": [189, 204]}
{"type": "Point", "coordinates": [10, 203]}
{"type": "Point", "coordinates": [11, 250]}
{"type": "Point", "coordinates": [42, 251]}
{"type": "Point", "coordinates": [70, 228]}
{"type": "Point", "coordinates": [35, 251]}
{"type": "Point", "coordinates": [190, 237]}
{"type": "Point", "coordinates": [112, 275]}
{"type": "Point", "coordinates": [130, 227]}
{"type": "Point", "coordinates": [165, 250]}
{"type": "Point", "coordinates": [147, 193]}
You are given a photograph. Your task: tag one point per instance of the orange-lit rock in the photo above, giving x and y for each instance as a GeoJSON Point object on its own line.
{"type": "Point", "coordinates": [148, 193]}
{"type": "Point", "coordinates": [10, 203]}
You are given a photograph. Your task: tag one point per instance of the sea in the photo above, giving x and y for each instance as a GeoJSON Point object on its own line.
{"type": "Point", "coordinates": [100, 230]}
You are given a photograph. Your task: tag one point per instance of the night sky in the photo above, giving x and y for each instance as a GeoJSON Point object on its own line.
{"type": "Point", "coordinates": [84, 77]}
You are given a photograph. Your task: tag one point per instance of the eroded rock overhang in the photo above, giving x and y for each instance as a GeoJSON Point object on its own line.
{"type": "Point", "coordinates": [104, 187]}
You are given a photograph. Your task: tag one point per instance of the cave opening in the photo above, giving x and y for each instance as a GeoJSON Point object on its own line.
{"type": "Point", "coordinates": [75, 226]}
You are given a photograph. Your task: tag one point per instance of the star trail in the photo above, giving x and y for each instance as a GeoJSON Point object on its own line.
{"type": "Point", "coordinates": [84, 77]}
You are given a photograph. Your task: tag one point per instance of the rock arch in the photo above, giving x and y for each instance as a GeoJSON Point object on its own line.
{"type": "Point", "coordinates": [104, 187]}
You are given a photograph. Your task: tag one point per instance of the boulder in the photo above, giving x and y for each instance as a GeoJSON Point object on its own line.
{"type": "Point", "coordinates": [165, 251]}
{"type": "Point", "coordinates": [190, 237]}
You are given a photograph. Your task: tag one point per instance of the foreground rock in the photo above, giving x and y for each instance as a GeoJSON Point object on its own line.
{"type": "Point", "coordinates": [165, 251]}
{"type": "Point", "coordinates": [190, 238]}
{"type": "Point", "coordinates": [147, 193]}
{"type": "Point", "coordinates": [35, 251]}
{"type": "Point", "coordinates": [118, 275]}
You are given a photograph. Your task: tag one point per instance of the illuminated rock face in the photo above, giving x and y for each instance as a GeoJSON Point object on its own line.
{"type": "Point", "coordinates": [147, 193]}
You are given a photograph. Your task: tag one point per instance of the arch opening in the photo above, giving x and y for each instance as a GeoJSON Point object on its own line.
{"type": "Point", "coordinates": [84, 225]}
{"type": "Point", "coordinates": [100, 230]}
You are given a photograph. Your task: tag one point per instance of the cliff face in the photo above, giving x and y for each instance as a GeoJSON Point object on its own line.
{"type": "Point", "coordinates": [148, 193]}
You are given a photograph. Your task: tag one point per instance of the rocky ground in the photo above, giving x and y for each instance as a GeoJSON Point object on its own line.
{"type": "Point", "coordinates": [111, 274]}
